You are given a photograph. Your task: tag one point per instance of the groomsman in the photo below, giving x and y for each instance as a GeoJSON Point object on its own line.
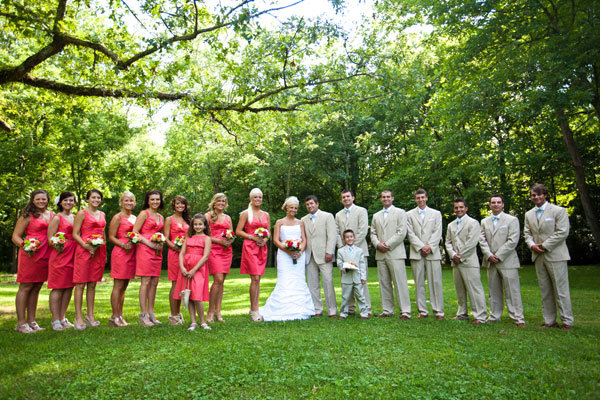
{"type": "Point", "coordinates": [461, 243]}
{"type": "Point", "coordinates": [424, 234]}
{"type": "Point", "coordinates": [546, 230]}
{"type": "Point", "coordinates": [498, 241]}
{"type": "Point", "coordinates": [321, 237]}
{"type": "Point", "coordinates": [388, 230]}
{"type": "Point", "coordinates": [355, 218]}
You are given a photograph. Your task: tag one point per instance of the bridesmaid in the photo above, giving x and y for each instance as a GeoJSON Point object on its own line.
{"type": "Point", "coordinates": [254, 250]}
{"type": "Point", "coordinates": [89, 261]}
{"type": "Point", "coordinates": [122, 259]}
{"type": "Point", "coordinates": [147, 262]}
{"type": "Point", "coordinates": [176, 226]}
{"type": "Point", "coordinates": [60, 268]}
{"type": "Point", "coordinates": [32, 270]}
{"type": "Point", "coordinates": [221, 254]}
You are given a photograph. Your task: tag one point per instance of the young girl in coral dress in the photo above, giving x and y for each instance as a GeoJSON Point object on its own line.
{"type": "Point", "coordinates": [148, 256]}
{"type": "Point", "coordinates": [33, 267]}
{"type": "Point", "coordinates": [90, 257]}
{"type": "Point", "coordinates": [193, 271]}
{"type": "Point", "coordinates": [62, 260]}
{"type": "Point", "coordinates": [219, 261]}
{"type": "Point", "coordinates": [176, 227]}
{"type": "Point", "coordinates": [254, 250]}
{"type": "Point", "coordinates": [122, 259]}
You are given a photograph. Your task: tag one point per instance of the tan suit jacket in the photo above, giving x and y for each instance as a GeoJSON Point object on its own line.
{"type": "Point", "coordinates": [500, 240]}
{"type": "Point", "coordinates": [426, 231]}
{"type": "Point", "coordinates": [551, 230]}
{"type": "Point", "coordinates": [392, 231]}
{"type": "Point", "coordinates": [352, 276]}
{"type": "Point", "coordinates": [358, 221]}
{"type": "Point", "coordinates": [464, 241]}
{"type": "Point", "coordinates": [321, 236]}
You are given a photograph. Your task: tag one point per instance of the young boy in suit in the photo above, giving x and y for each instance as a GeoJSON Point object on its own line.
{"type": "Point", "coordinates": [352, 279]}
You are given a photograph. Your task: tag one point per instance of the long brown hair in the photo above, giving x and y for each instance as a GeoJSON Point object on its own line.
{"type": "Point", "coordinates": [201, 217]}
{"type": "Point", "coordinates": [30, 208]}
{"type": "Point", "coordinates": [186, 213]}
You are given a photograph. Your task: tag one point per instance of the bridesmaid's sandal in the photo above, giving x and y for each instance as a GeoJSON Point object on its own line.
{"type": "Point", "coordinates": [90, 323]}
{"type": "Point", "coordinates": [193, 326]}
{"type": "Point", "coordinates": [66, 324]}
{"type": "Point", "coordinates": [112, 322]}
{"type": "Point", "coordinates": [153, 319]}
{"type": "Point", "coordinates": [145, 320]}
{"type": "Point", "coordinates": [57, 326]}
{"type": "Point", "coordinates": [24, 328]}
{"type": "Point", "coordinates": [35, 327]}
{"type": "Point", "coordinates": [210, 318]}
{"type": "Point", "coordinates": [205, 326]}
{"type": "Point", "coordinates": [122, 321]}
{"type": "Point", "coordinates": [80, 327]}
{"type": "Point", "coordinates": [173, 320]}
{"type": "Point", "coordinates": [219, 318]}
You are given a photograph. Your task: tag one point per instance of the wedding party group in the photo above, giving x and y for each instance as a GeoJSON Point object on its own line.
{"type": "Point", "coordinates": [69, 252]}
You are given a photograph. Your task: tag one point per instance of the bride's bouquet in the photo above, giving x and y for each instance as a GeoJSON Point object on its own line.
{"type": "Point", "coordinates": [293, 245]}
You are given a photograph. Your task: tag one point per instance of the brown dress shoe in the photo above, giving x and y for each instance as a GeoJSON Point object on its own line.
{"type": "Point", "coordinates": [565, 327]}
{"type": "Point", "coordinates": [554, 325]}
{"type": "Point", "coordinates": [333, 316]}
{"type": "Point", "coordinates": [421, 316]}
{"type": "Point", "coordinates": [439, 317]}
{"type": "Point", "coordinates": [318, 315]}
{"type": "Point", "coordinates": [383, 315]}
{"type": "Point", "coordinates": [478, 322]}
{"type": "Point", "coordinates": [404, 317]}
{"type": "Point", "coordinates": [521, 324]}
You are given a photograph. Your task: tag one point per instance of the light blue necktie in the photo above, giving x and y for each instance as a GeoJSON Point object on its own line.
{"type": "Point", "coordinates": [538, 212]}
{"type": "Point", "coordinates": [422, 213]}
{"type": "Point", "coordinates": [458, 221]}
{"type": "Point", "coordinates": [313, 217]}
{"type": "Point", "coordinates": [385, 213]}
{"type": "Point", "coordinates": [495, 219]}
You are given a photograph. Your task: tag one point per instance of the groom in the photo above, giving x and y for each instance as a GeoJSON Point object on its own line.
{"type": "Point", "coordinates": [321, 237]}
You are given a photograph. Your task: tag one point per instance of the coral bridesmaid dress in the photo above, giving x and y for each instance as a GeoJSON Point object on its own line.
{"type": "Point", "coordinates": [199, 283]}
{"type": "Point", "coordinates": [254, 258]}
{"type": "Point", "coordinates": [60, 274]}
{"type": "Point", "coordinates": [147, 262]}
{"type": "Point", "coordinates": [35, 268]}
{"type": "Point", "coordinates": [88, 268]}
{"type": "Point", "coordinates": [122, 262]}
{"type": "Point", "coordinates": [219, 261]}
{"type": "Point", "coordinates": [173, 256]}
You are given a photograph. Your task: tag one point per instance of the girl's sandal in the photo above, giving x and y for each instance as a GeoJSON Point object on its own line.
{"type": "Point", "coordinates": [210, 318]}
{"type": "Point", "coordinates": [219, 318]}
{"type": "Point", "coordinates": [35, 327]}
{"type": "Point", "coordinates": [192, 327]}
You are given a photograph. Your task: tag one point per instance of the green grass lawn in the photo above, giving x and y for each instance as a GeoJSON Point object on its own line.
{"type": "Point", "coordinates": [316, 358]}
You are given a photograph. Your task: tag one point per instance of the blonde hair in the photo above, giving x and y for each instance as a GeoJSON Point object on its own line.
{"type": "Point", "coordinates": [292, 200]}
{"type": "Point", "coordinates": [211, 206]}
{"type": "Point", "coordinates": [253, 192]}
{"type": "Point", "coordinates": [126, 193]}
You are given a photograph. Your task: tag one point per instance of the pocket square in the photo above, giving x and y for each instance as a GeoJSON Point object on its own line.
{"type": "Point", "coordinates": [503, 227]}
{"type": "Point", "coordinates": [549, 219]}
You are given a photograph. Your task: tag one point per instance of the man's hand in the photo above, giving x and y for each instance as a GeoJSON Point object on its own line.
{"type": "Point", "coordinates": [493, 259]}
{"type": "Point", "coordinates": [456, 259]}
{"type": "Point", "coordinates": [425, 250]}
{"type": "Point", "coordinates": [328, 257]}
{"type": "Point", "coordinates": [537, 248]}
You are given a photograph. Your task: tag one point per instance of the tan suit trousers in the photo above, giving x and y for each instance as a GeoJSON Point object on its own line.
{"type": "Point", "coordinates": [314, 272]}
{"type": "Point", "coordinates": [468, 280]}
{"type": "Point", "coordinates": [506, 280]}
{"type": "Point", "coordinates": [553, 278]}
{"type": "Point", "coordinates": [365, 292]}
{"type": "Point", "coordinates": [434, 281]}
{"type": "Point", "coordinates": [392, 278]}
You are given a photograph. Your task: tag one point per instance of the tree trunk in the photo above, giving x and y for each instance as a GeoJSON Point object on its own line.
{"type": "Point", "coordinates": [290, 166]}
{"type": "Point", "coordinates": [15, 249]}
{"type": "Point", "coordinates": [584, 195]}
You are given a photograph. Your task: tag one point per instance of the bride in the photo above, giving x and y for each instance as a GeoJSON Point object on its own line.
{"type": "Point", "coordinates": [291, 298]}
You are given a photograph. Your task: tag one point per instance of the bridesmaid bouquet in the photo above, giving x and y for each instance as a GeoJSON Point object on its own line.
{"type": "Point", "coordinates": [158, 238]}
{"type": "Point", "coordinates": [229, 235]}
{"type": "Point", "coordinates": [262, 233]}
{"type": "Point", "coordinates": [31, 245]}
{"type": "Point", "coordinates": [133, 237]}
{"type": "Point", "coordinates": [95, 241]}
{"type": "Point", "coordinates": [293, 245]}
{"type": "Point", "coordinates": [178, 241]}
{"type": "Point", "coordinates": [58, 240]}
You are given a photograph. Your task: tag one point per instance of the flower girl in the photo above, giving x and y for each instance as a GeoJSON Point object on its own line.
{"type": "Point", "coordinates": [194, 272]}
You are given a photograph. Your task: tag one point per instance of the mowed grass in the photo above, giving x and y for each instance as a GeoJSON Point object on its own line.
{"type": "Point", "coordinates": [316, 358]}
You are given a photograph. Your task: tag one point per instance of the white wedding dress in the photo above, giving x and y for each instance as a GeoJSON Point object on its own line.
{"type": "Point", "coordinates": [291, 298]}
